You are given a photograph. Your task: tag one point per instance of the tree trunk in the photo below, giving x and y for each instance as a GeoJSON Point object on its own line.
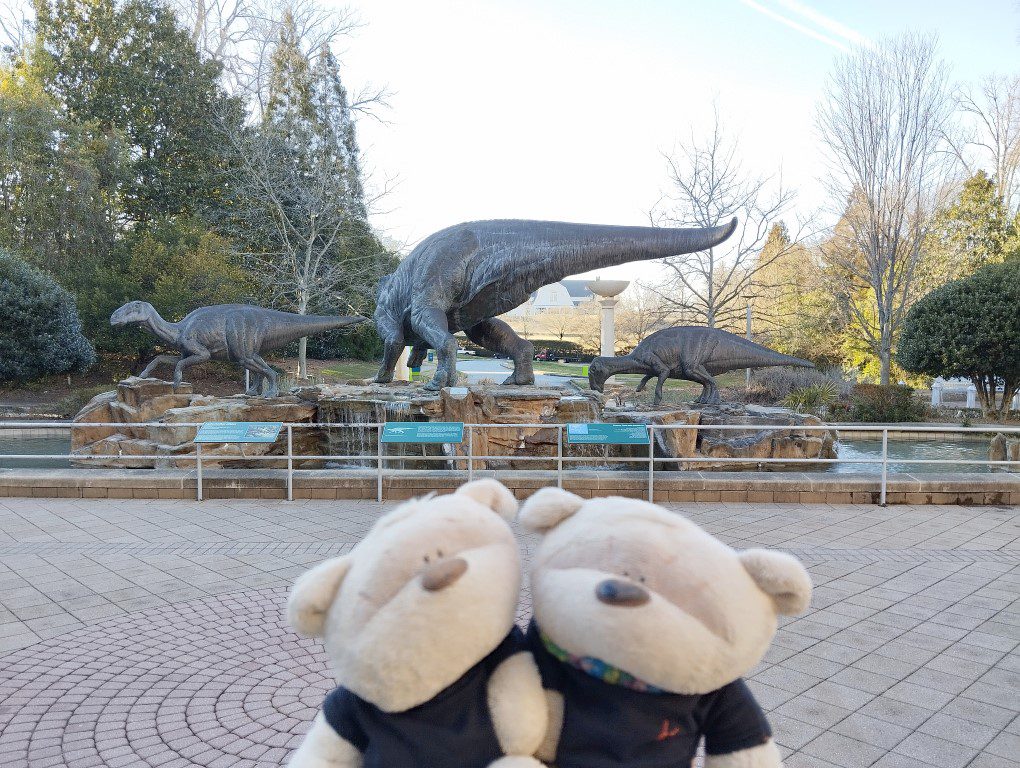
{"type": "Point", "coordinates": [302, 356]}
{"type": "Point", "coordinates": [885, 363]}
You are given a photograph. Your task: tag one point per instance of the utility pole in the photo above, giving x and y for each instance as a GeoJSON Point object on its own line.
{"type": "Point", "coordinates": [747, 379]}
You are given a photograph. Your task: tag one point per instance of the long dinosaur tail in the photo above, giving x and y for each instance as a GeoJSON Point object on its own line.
{"type": "Point", "coordinates": [748, 354]}
{"type": "Point", "coordinates": [290, 327]}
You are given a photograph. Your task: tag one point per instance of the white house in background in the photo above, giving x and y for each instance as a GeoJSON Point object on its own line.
{"type": "Point", "coordinates": [562, 295]}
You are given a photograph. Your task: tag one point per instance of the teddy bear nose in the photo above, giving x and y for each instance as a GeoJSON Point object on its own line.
{"type": "Point", "coordinates": [444, 573]}
{"type": "Point", "coordinates": [619, 592]}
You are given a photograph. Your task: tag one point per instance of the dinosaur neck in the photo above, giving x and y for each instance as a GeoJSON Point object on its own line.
{"type": "Point", "coordinates": [160, 328]}
{"type": "Point", "coordinates": [621, 364]}
{"type": "Point", "coordinates": [578, 248]}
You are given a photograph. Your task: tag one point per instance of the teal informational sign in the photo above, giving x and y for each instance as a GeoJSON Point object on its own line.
{"type": "Point", "coordinates": [239, 432]}
{"type": "Point", "coordinates": [423, 432]}
{"type": "Point", "coordinates": [607, 434]}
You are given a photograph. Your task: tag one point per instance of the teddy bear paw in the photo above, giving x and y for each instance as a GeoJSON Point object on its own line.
{"type": "Point", "coordinates": [517, 761]}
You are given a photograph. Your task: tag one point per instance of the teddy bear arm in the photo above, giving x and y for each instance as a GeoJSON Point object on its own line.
{"type": "Point", "coordinates": [555, 705]}
{"type": "Point", "coordinates": [762, 756]}
{"type": "Point", "coordinates": [324, 748]}
{"type": "Point", "coordinates": [517, 705]}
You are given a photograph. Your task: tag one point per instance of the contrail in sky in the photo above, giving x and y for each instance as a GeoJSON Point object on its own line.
{"type": "Point", "coordinates": [841, 36]}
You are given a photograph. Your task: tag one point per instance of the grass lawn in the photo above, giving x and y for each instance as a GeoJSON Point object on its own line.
{"type": "Point", "coordinates": [351, 369]}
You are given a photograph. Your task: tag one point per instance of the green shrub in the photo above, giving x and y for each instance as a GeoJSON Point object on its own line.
{"type": "Point", "coordinates": [41, 331]}
{"type": "Point", "coordinates": [361, 342]}
{"type": "Point", "coordinates": [813, 397]}
{"type": "Point", "coordinates": [774, 385]}
{"type": "Point", "coordinates": [969, 328]}
{"type": "Point", "coordinates": [884, 404]}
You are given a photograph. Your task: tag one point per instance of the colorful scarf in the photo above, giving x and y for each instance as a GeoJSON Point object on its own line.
{"type": "Point", "coordinates": [597, 668]}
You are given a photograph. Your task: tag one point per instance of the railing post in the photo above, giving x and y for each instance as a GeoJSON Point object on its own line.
{"type": "Point", "coordinates": [290, 462]}
{"type": "Point", "coordinates": [559, 455]}
{"type": "Point", "coordinates": [378, 464]}
{"type": "Point", "coordinates": [885, 463]}
{"type": "Point", "coordinates": [198, 467]}
{"type": "Point", "coordinates": [651, 464]}
{"type": "Point", "coordinates": [471, 452]}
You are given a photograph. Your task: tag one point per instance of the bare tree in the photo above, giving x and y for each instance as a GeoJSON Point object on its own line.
{"type": "Point", "coordinates": [310, 247]}
{"type": "Point", "coordinates": [994, 139]}
{"type": "Point", "coordinates": [642, 311]}
{"type": "Point", "coordinates": [15, 26]}
{"type": "Point", "coordinates": [882, 122]}
{"type": "Point", "coordinates": [709, 185]}
{"type": "Point", "coordinates": [241, 35]}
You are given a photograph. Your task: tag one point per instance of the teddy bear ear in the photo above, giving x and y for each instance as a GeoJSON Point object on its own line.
{"type": "Point", "coordinates": [313, 593]}
{"type": "Point", "coordinates": [492, 494]}
{"type": "Point", "coordinates": [548, 507]}
{"type": "Point", "coordinates": [781, 577]}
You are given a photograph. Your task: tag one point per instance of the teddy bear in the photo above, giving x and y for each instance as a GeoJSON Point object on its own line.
{"type": "Point", "coordinates": [643, 626]}
{"type": "Point", "coordinates": [418, 621]}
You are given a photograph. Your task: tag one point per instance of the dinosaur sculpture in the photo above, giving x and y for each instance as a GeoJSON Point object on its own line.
{"type": "Point", "coordinates": [462, 277]}
{"type": "Point", "coordinates": [691, 353]}
{"type": "Point", "coordinates": [236, 332]}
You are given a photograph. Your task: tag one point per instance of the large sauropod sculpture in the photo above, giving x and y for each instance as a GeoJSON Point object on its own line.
{"type": "Point", "coordinates": [236, 332]}
{"type": "Point", "coordinates": [691, 353]}
{"type": "Point", "coordinates": [463, 277]}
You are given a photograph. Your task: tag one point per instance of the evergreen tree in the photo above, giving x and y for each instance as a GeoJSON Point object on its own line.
{"type": "Point", "coordinates": [128, 67]}
{"type": "Point", "coordinates": [298, 201]}
{"type": "Point", "coordinates": [975, 230]}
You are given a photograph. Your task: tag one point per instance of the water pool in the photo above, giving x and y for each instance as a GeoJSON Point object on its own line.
{"type": "Point", "coordinates": [848, 449]}
{"type": "Point", "coordinates": [913, 449]}
{"type": "Point", "coordinates": [36, 446]}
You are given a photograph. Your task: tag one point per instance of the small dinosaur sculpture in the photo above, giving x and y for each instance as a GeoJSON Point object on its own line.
{"type": "Point", "coordinates": [692, 353]}
{"type": "Point", "coordinates": [462, 277]}
{"type": "Point", "coordinates": [236, 332]}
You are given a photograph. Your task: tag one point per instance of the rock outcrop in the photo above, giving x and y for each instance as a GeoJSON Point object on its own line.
{"type": "Point", "coordinates": [110, 429]}
{"type": "Point", "coordinates": [1004, 448]}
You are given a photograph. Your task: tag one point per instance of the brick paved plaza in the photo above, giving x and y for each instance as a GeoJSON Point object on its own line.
{"type": "Point", "coordinates": [138, 633]}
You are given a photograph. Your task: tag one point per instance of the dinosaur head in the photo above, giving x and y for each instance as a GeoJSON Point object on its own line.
{"type": "Point", "coordinates": [598, 372]}
{"type": "Point", "coordinates": [132, 312]}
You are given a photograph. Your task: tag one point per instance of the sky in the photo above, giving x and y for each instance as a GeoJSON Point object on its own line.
{"type": "Point", "coordinates": [562, 109]}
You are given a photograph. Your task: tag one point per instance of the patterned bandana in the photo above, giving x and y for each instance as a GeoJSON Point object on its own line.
{"type": "Point", "coordinates": [597, 668]}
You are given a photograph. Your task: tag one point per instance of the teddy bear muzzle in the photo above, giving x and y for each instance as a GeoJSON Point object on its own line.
{"type": "Point", "coordinates": [621, 593]}
{"type": "Point", "coordinates": [444, 573]}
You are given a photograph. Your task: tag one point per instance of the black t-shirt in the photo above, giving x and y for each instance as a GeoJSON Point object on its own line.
{"type": "Point", "coordinates": [608, 726]}
{"type": "Point", "coordinates": [451, 730]}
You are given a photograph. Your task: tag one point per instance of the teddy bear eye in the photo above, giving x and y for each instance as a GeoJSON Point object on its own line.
{"type": "Point", "coordinates": [439, 552]}
{"type": "Point", "coordinates": [641, 579]}
{"type": "Point", "coordinates": [426, 558]}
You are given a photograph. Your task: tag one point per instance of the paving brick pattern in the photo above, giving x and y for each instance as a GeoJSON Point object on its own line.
{"type": "Point", "coordinates": [151, 633]}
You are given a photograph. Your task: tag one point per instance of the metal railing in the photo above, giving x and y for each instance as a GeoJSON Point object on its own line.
{"type": "Point", "coordinates": [469, 456]}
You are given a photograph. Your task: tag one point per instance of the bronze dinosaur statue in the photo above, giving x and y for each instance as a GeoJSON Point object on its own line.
{"type": "Point", "coordinates": [236, 332]}
{"type": "Point", "coordinates": [692, 353]}
{"type": "Point", "coordinates": [462, 277]}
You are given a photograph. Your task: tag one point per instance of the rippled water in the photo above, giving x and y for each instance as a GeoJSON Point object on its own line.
{"type": "Point", "coordinates": [34, 446]}
{"type": "Point", "coordinates": [913, 449]}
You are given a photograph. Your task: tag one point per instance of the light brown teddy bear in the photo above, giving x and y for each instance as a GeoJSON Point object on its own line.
{"type": "Point", "coordinates": [418, 621]}
{"type": "Point", "coordinates": [644, 624]}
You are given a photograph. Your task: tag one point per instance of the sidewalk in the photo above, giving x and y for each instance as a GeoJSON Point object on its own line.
{"type": "Point", "coordinates": [138, 633]}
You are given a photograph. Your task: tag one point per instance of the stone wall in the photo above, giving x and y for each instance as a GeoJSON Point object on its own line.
{"type": "Point", "coordinates": [340, 412]}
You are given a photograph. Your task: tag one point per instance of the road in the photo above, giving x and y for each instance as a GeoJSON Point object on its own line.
{"type": "Point", "coordinates": [489, 368]}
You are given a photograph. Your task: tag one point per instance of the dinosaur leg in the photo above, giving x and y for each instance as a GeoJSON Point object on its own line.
{"type": "Point", "coordinates": [196, 357]}
{"type": "Point", "coordinates": [431, 325]}
{"type": "Point", "coordinates": [709, 390]}
{"type": "Point", "coordinates": [497, 336]}
{"type": "Point", "coordinates": [417, 356]}
{"type": "Point", "coordinates": [267, 371]}
{"type": "Point", "coordinates": [258, 374]}
{"type": "Point", "coordinates": [648, 377]}
{"type": "Point", "coordinates": [154, 362]}
{"type": "Point", "coordinates": [393, 339]}
{"type": "Point", "coordinates": [663, 375]}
